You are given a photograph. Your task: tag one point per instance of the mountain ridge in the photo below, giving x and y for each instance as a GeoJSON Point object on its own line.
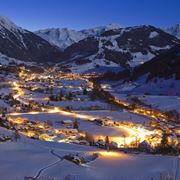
{"type": "Point", "coordinates": [22, 44]}
{"type": "Point", "coordinates": [124, 47]}
{"type": "Point", "coordinates": [174, 30]}
{"type": "Point", "coordinates": [64, 37]}
{"type": "Point", "coordinates": [104, 46]}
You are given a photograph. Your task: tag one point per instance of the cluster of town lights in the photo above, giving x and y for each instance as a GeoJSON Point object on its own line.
{"type": "Point", "coordinates": [132, 134]}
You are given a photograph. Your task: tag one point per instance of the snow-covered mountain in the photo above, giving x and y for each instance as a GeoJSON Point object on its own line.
{"type": "Point", "coordinates": [80, 51]}
{"type": "Point", "coordinates": [160, 76]}
{"type": "Point", "coordinates": [123, 47]}
{"type": "Point", "coordinates": [5, 23]}
{"type": "Point", "coordinates": [64, 37]}
{"type": "Point", "coordinates": [167, 66]}
{"type": "Point", "coordinates": [174, 30]}
{"type": "Point", "coordinates": [24, 45]}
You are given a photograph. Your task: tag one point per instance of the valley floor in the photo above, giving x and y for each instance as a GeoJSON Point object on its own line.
{"type": "Point", "coordinates": [52, 119]}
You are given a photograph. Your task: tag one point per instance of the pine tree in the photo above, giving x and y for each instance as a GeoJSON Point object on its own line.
{"type": "Point", "coordinates": [107, 142]}
{"type": "Point", "coordinates": [75, 125]}
{"type": "Point", "coordinates": [84, 91]}
{"type": "Point", "coordinates": [164, 141]}
{"type": "Point", "coordinates": [16, 136]}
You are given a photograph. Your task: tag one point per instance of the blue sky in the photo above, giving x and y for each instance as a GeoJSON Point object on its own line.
{"type": "Point", "coordinates": [79, 14]}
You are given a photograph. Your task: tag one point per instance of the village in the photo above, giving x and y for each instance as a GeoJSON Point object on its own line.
{"type": "Point", "coordinates": [69, 96]}
{"type": "Point", "coordinates": [89, 90]}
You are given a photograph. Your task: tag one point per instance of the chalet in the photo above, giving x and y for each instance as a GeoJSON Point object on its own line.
{"type": "Point", "coordinates": [100, 143]}
{"type": "Point", "coordinates": [70, 131]}
{"type": "Point", "coordinates": [99, 122]}
{"type": "Point", "coordinates": [113, 145]}
{"type": "Point", "coordinates": [84, 142]}
{"type": "Point", "coordinates": [67, 122]}
{"type": "Point", "coordinates": [145, 146]}
{"type": "Point", "coordinates": [108, 122]}
{"type": "Point", "coordinates": [61, 136]}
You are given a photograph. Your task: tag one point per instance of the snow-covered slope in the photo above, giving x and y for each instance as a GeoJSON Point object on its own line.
{"type": "Point", "coordinates": [5, 23]}
{"type": "Point", "coordinates": [159, 76]}
{"type": "Point", "coordinates": [123, 47]}
{"type": "Point", "coordinates": [64, 37]}
{"type": "Point", "coordinates": [167, 66]}
{"type": "Point", "coordinates": [21, 44]}
{"type": "Point", "coordinates": [174, 30]}
{"type": "Point", "coordinates": [98, 30]}
{"type": "Point", "coordinates": [35, 157]}
{"type": "Point", "coordinates": [61, 37]}
{"type": "Point", "coordinates": [105, 46]}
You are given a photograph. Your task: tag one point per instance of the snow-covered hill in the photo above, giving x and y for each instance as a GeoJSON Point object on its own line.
{"type": "Point", "coordinates": [64, 37]}
{"type": "Point", "coordinates": [174, 30]}
{"type": "Point", "coordinates": [159, 76]}
{"type": "Point", "coordinates": [123, 47]}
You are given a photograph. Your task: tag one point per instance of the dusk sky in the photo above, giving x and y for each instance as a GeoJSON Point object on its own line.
{"type": "Point", "coordinates": [79, 14]}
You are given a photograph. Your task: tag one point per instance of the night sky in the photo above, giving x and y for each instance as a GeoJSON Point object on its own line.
{"type": "Point", "coordinates": [80, 14]}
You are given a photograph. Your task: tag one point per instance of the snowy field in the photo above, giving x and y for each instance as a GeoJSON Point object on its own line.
{"type": "Point", "coordinates": [164, 103]}
{"type": "Point", "coordinates": [34, 155]}
{"type": "Point", "coordinates": [87, 125]}
{"type": "Point", "coordinates": [79, 102]}
{"type": "Point", "coordinates": [5, 91]}
{"type": "Point", "coordinates": [115, 115]}
{"type": "Point", "coordinates": [140, 86]}
{"type": "Point", "coordinates": [85, 103]}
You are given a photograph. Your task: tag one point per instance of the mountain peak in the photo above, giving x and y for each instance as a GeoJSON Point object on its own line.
{"type": "Point", "coordinates": [8, 24]}
{"type": "Point", "coordinates": [174, 30]}
{"type": "Point", "coordinates": [24, 45]}
{"type": "Point", "coordinates": [64, 37]}
{"type": "Point", "coordinates": [113, 26]}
